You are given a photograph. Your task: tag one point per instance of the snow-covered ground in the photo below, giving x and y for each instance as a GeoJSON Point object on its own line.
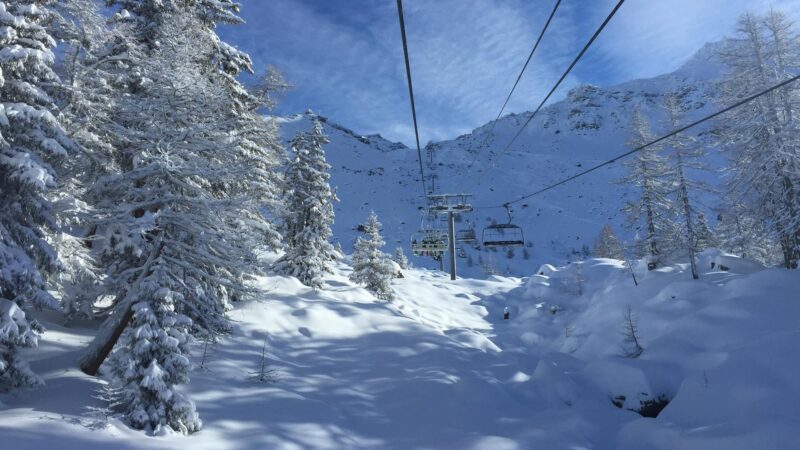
{"type": "Point", "coordinates": [439, 367]}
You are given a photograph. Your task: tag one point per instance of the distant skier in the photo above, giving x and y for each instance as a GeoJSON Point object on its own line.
{"type": "Point", "coordinates": [506, 313]}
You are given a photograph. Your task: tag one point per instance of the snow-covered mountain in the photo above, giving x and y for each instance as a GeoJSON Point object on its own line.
{"type": "Point", "coordinates": [589, 126]}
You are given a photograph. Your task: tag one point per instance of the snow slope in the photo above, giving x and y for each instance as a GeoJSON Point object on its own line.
{"type": "Point", "coordinates": [440, 368]}
{"type": "Point", "coordinates": [589, 126]}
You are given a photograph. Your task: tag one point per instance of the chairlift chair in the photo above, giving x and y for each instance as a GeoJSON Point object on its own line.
{"type": "Point", "coordinates": [441, 204]}
{"type": "Point", "coordinates": [503, 234]}
{"type": "Point", "coordinates": [466, 235]}
{"type": "Point", "coordinates": [429, 243]}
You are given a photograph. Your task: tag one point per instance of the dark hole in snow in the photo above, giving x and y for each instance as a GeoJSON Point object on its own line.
{"type": "Point", "coordinates": [651, 407]}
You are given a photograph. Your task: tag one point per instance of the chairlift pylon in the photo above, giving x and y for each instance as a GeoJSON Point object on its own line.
{"type": "Point", "coordinates": [503, 234]}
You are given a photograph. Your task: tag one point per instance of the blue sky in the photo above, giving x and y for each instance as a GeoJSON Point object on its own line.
{"type": "Point", "coordinates": [344, 57]}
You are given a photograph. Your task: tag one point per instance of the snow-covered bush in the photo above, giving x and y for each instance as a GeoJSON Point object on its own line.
{"type": "Point", "coordinates": [15, 332]}
{"type": "Point", "coordinates": [632, 347]}
{"type": "Point", "coordinates": [264, 374]}
{"type": "Point", "coordinates": [372, 267]}
{"type": "Point", "coordinates": [400, 258]}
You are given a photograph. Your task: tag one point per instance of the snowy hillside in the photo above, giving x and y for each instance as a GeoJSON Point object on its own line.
{"type": "Point", "coordinates": [172, 278]}
{"type": "Point", "coordinates": [440, 368]}
{"type": "Point", "coordinates": [589, 126]}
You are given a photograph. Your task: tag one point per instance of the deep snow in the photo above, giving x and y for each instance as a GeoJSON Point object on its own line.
{"type": "Point", "coordinates": [439, 368]}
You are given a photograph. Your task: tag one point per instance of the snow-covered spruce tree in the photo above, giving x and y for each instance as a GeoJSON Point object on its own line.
{"type": "Point", "coordinates": [84, 105]}
{"type": "Point", "coordinates": [151, 359]}
{"type": "Point", "coordinates": [15, 333]}
{"type": "Point", "coordinates": [400, 258]}
{"type": "Point", "coordinates": [684, 155]}
{"type": "Point", "coordinates": [764, 135]}
{"type": "Point", "coordinates": [113, 78]}
{"type": "Point", "coordinates": [309, 211]}
{"type": "Point", "coordinates": [372, 267]}
{"type": "Point", "coordinates": [608, 244]}
{"type": "Point", "coordinates": [31, 141]}
{"type": "Point", "coordinates": [648, 214]}
{"type": "Point", "coordinates": [223, 129]}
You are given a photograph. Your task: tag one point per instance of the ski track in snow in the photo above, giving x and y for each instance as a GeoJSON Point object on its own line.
{"type": "Point", "coordinates": [439, 367]}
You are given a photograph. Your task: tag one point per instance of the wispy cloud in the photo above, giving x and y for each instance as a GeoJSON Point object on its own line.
{"type": "Point", "coordinates": [345, 57]}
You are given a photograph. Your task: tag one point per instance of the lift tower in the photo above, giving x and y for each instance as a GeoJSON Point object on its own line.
{"type": "Point", "coordinates": [450, 205]}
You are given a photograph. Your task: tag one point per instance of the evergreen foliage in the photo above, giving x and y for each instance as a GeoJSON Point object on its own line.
{"type": "Point", "coordinates": [309, 211]}
{"type": "Point", "coordinates": [32, 142]}
{"type": "Point", "coordinates": [401, 259]}
{"type": "Point", "coordinates": [16, 333]}
{"type": "Point", "coordinates": [608, 245]}
{"type": "Point", "coordinates": [372, 267]}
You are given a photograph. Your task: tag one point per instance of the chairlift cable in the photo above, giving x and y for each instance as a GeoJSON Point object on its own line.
{"type": "Point", "coordinates": [411, 96]}
{"type": "Point", "coordinates": [558, 83]}
{"type": "Point", "coordinates": [513, 88]}
{"type": "Point", "coordinates": [657, 140]}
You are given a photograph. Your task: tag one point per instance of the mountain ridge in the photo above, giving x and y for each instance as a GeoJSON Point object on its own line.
{"type": "Point", "coordinates": [587, 127]}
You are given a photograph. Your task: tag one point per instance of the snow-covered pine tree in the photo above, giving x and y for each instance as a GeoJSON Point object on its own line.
{"type": "Point", "coordinates": [764, 134]}
{"type": "Point", "coordinates": [608, 245]}
{"type": "Point", "coordinates": [684, 155]}
{"type": "Point", "coordinates": [84, 104]}
{"type": "Point", "coordinates": [704, 237]}
{"type": "Point", "coordinates": [256, 141]}
{"type": "Point", "coordinates": [110, 74]}
{"type": "Point", "coordinates": [372, 267]}
{"type": "Point", "coordinates": [150, 360]}
{"type": "Point", "coordinates": [400, 258]}
{"type": "Point", "coordinates": [176, 237]}
{"type": "Point", "coordinates": [648, 214]}
{"type": "Point", "coordinates": [238, 147]}
{"type": "Point", "coordinates": [309, 211]}
{"type": "Point", "coordinates": [31, 141]}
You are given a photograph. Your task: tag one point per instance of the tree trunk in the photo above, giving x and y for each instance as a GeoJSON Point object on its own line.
{"type": "Point", "coordinates": [112, 329]}
{"type": "Point", "coordinates": [687, 211]}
